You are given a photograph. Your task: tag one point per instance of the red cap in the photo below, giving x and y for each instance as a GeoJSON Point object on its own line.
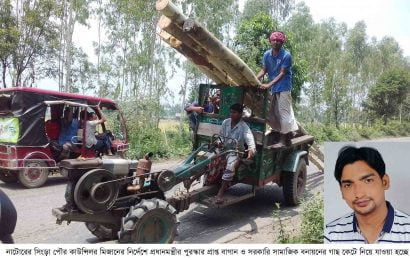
{"type": "Point", "coordinates": [277, 36]}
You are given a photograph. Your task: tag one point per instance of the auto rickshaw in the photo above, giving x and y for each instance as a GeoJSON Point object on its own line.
{"type": "Point", "coordinates": [28, 153]}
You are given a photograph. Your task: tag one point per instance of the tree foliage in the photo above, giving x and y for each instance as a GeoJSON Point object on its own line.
{"type": "Point", "coordinates": [387, 98]}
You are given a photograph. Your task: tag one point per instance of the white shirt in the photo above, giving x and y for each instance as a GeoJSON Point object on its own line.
{"type": "Point", "coordinates": [345, 229]}
{"type": "Point", "coordinates": [241, 132]}
{"type": "Point", "coordinates": [90, 139]}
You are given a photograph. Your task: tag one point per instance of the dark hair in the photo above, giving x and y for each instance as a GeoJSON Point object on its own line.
{"type": "Point", "coordinates": [350, 154]}
{"type": "Point", "coordinates": [90, 114]}
{"type": "Point", "coordinates": [237, 107]}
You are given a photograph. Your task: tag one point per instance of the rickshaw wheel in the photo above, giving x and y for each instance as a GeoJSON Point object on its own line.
{"type": "Point", "coordinates": [8, 177]}
{"type": "Point", "coordinates": [35, 177]}
{"type": "Point", "coordinates": [294, 183]}
{"type": "Point", "coordinates": [151, 221]}
{"type": "Point", "coordinates": [102, 231]}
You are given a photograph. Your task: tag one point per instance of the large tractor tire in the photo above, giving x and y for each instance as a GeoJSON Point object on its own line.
{"type": "Point", "coordinates": [34, 174]}
{"type": "Point", "coordinates": [102, 231]}
{"type": "Point", "coordinates": [151, 221]}
{"type": "Point", "coordinates": [8, 176]}
{"type": "Point", "coordinates": [294, 183]}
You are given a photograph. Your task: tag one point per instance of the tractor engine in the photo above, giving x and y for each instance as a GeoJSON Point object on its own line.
{"type": "Point", "coordinates": [94, 185]}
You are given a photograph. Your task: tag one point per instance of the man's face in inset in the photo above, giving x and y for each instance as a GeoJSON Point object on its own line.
{"type": "Point", "coordinates": [362, 188]}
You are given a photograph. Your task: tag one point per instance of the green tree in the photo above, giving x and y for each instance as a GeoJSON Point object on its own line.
{"type": "Point", "coordinates": [9, 35]}
{"type": "Point", "coordinates": [278, 10]}
{"type": "Point", "coordinates": [72, 12]}
{"type": "Point", "coordinates": [388, 97]}
{"type": "Point", "coordinates": [37, 33]}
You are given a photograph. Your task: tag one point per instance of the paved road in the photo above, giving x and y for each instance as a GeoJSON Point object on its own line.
{"type": "Point", "coordinates": [197, 225]}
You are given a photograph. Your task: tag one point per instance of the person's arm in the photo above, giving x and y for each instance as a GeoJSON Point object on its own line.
{"type": "Point", "coordinates": [275, 80]}
{"type": "Point", "coordinates": [194, 109]}
{"type": "Point", "coordinates": [261, 73]}
{"type": "Point", "coordinates": [103, 118]}
{"type": "Point", "coordinates": [250, 141]}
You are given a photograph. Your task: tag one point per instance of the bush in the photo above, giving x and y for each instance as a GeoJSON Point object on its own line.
{"type": "Point", "coordinates": [163, 142]}
{"type": "Point", "coordinates": [326, 133]}
{"type": "Point", "coordinates": [311, 226]}
{"type": "Point", "coordinates": [312, 222]}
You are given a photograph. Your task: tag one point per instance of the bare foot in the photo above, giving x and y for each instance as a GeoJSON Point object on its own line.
{"type": "Point", "coordinates": [219, 201]}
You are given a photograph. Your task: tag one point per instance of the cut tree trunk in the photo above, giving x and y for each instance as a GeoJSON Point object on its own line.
{"type": "Point", "coordinates": [217, 49]}
{"type": "Point", "coordinates": [171, 11]}
{"type": "Point", "coordinates": [202, 64]}
{"type": "Point", "coordinates": [219, 68]}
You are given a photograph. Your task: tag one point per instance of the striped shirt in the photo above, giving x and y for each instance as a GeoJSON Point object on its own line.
{"type": "Point", "coordinates": [396, 229]}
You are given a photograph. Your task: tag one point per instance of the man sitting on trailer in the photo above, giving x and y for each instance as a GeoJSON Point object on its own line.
{"type": "Point", "coordinates": [277, 62]}
{"type": "Point", "coordinates": [234, 128]}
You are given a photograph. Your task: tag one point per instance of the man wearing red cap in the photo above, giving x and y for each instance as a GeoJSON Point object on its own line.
{"type": "Point", "coordinates": [277, 62]}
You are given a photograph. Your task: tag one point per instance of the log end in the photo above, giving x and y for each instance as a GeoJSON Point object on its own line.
{"type": "Point", "coordinates": [164, 22]}
{"type": "Point", "coordinates": [161, 4]}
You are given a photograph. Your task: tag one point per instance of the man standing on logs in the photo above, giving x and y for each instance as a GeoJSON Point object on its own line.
{"type": "Point", "coordinates": [277, 62]}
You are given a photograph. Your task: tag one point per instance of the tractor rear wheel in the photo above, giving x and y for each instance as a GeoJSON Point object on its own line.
{"type": "Point", "coordinates": [151, 221]}
{"type": "Point", "coordinates": [294, 183]}
{"type": "Point", "coordinates": [8, 176]}
{"type": "Point", "coordinates": [102, 231]}
{"type": "Point", "coordinates": [34, 174]}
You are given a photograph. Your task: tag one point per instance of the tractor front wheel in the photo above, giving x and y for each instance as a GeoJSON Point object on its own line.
{"type": "Point", "coordinates": [151, 221]}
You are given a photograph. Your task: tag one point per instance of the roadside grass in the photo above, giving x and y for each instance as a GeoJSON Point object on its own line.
{"type": "Point", "coordinates": [311, 229]}
{"type": "Point", "coordinates": [350, 132]}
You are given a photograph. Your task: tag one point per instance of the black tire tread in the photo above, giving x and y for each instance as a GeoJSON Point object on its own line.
{"type": "Point", "coordinates": [289, 181]}
{"type": "Point", "coordinates": [128, 223]}
{"type": "Point", "coordinates": [101, 231]}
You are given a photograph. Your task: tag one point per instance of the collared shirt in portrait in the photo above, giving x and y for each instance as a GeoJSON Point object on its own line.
{"type": "Point", "coordinates": [396, 229]}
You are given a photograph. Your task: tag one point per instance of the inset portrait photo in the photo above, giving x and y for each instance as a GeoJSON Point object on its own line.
{"type": "Point", "coordinates": [366, 192]}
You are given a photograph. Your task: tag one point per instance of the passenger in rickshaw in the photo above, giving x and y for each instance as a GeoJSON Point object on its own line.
{"type": "Point", "coordinates": [100, 143]}
{"type": "Point", "coordinates": [53, 129]}
{"type": "Point", "coordinates": [69, 128]}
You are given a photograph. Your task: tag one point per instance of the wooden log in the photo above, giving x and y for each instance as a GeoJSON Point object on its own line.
{"type": "Point", "coordinates": [170, 10]}
{"type": "Point", "coordinates": [224, 73]}
{"type": "Point", "coordinates": [197, 60]}
{"type": "Point", "coordinates": [217, 49]}
{"type": "Point", "coordinates": [201, 62]}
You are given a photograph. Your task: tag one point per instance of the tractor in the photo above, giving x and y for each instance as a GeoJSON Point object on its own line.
{"type": "Point", "coordinates": [124, 199]}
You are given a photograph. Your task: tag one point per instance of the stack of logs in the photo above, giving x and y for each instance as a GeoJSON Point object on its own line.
{"type": "Point", "coordinates": [201, 47]}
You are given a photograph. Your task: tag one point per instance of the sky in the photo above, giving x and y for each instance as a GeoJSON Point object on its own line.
{"type": "Point", "coordinates": [382, 17]}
